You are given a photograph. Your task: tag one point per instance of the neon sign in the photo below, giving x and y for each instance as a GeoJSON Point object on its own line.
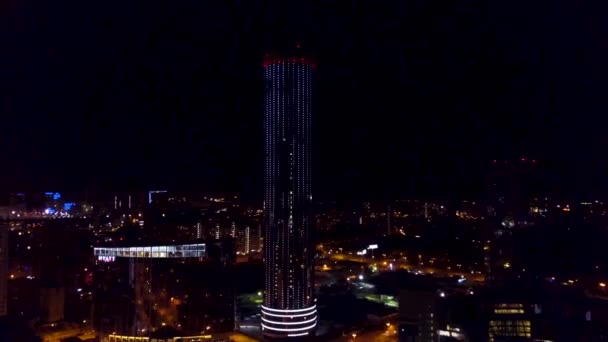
{"type": "Point", "coordinates": [105, 258]}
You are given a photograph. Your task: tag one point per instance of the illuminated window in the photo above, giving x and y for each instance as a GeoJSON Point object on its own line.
{"type": "Point", "coordinates": [511, 328]}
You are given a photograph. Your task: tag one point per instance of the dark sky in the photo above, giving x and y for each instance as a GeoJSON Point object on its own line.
{"type": "Point", "coordinates": [413, 97]}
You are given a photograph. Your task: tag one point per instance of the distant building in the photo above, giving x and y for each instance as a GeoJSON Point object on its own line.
{"type": "Point", "coordinates": [511, 186]}
{"type": "Point", "coordinates": [510, 321]}
{"type": "Point", "coordinates": [418, 315]}
{"type": "Point", "coordinates": [258, 243]}
{"type": "Point", "coordinates": [519, 314]}
{"type": "Point", "coordinates": [233, 230]}
{"type": "Point", "coordinates": [3, 268]}
{"type": "Point", "coordinates": [217, 232]}
{"type": "Point", "coordinates": [199, 230]}
{"type": "Point", "coordinates": [157, 196]}
{"type": "Point", "coordinates": [52, 304]}
{"type": "Point", "coordinates": [244, 241]}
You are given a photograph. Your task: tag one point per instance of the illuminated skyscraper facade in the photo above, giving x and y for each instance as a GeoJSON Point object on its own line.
{"type": "Point", "coordinates": [289, 309]}
{"type": "Point", "coordinates": [3, 268]}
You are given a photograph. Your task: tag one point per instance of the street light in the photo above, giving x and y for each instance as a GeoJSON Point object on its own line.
{"type": "Point", "coordinates": [354, 336]}
{"type": "Point", "coordinates": [388, 328]}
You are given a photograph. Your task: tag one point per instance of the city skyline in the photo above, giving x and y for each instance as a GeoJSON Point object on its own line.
{"type": "Point", "coordinates": [307, 170]}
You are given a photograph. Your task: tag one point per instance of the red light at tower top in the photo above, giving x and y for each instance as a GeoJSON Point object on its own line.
{"type": "Point", "coordinates": [295, 54]}
{"type": "Point", "coordinates": [270, 60]}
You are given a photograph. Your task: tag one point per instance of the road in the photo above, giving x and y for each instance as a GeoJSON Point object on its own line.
{"type": "Point", "coordinates": [402, 265]}
{"type": "Point", "coordinates": [370, 336]}
{"type": "Point", "coordinates": [240, 337]}
{"type": "Point", "coordinates": [57, 336]}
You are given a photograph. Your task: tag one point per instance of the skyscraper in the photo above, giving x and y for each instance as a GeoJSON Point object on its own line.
{"type": "Point", "coordinates": [3, 267]}
{"type": "Point", "coordinates": [247, 246]}
{"type": "Point", "coordinates": [289, 309]}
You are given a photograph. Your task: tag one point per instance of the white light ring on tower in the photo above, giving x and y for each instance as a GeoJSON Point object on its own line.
{"type": "Point", "coordinates": [289, 323]}
{"type": "Point", "coordinates": [290, 310]}
{"type": "Point", "coordinates": [289, 329]}
{"type": "Point", "coordinates": [298, 334]}
{"type": "Point", "coordinates": [289, 315]}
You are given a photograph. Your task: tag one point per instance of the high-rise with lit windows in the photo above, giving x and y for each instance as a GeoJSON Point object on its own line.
{"type": "Point", "coordinates": [289, 309]}
{"type": "Point", "coordinates": [3, 268]}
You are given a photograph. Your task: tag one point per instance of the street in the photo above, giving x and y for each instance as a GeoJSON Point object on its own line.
{"type": "Point", "coordinates": [370, 336]}
{"type": "Point", "coordinates": [406, 266]}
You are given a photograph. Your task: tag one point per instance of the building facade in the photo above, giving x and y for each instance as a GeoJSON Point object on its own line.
{"type": "Point", "coordinates": [142, 291]}
{"type": "Point", "coordinates": [418, 311]}
{"type": "Point", "coordinates": [3, 268]}
{"type": "Point", "coordinates": [289, 308]}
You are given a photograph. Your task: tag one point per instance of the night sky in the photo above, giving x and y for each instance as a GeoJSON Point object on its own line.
{"type": "Point", "coordinates": [413, 97]}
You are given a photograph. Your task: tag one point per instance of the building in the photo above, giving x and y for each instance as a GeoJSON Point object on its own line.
{"type": "Point", "coordinates": [535, 313]}
{"type": "Point", "coordinates": [3, 268]}
{"type": "Point", "coordinates": [52, 304]}
{"type": "Point", "coordinates": [418, 310]}
{"type": "Point", "coordinates": [247, 233]}
{"type": "Point", "coordinates": [14, 328]}
{"type": "Point", "coordinates": [509, 322]}
{"type": "Point", "coordinates": [511, 315]}
{"type": "Point", "coordinates": [511, 185]}
{"type": "Point", "coordinates": [141, 291]}
{"type": "Point", "coordinates": [243, 241]}
{"type": "Point", "coordinates": [199, 230]}
{"type": "Point", "coordinates": [289, 308]}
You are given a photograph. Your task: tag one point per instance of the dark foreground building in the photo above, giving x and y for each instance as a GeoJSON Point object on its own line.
{"type": "Point", "coordinates": [181, 290]}
{"type": "Point", "coordinates": [289, 308]}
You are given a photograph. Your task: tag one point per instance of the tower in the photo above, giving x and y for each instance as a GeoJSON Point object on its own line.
{"type": "Point", "coordinates": [247, 246]}
{"type": "Point", "coordinates": [388, 221]}
{"type": "Point", "coordinates": [199, 230]}
{"type": "Point", "coordinates": [3, 267]}
{"type": "Point", "coordinates": [217, 231]}
{"type": "Point", "coordinates": [289, 309]}
{"type": "Point", "coordinates": [513, 186]}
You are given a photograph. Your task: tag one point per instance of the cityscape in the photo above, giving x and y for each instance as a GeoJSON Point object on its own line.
{"type": "Point", "coordinates": [191, 267]}
{"type": "Point", "coordinates": [285, 192]}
